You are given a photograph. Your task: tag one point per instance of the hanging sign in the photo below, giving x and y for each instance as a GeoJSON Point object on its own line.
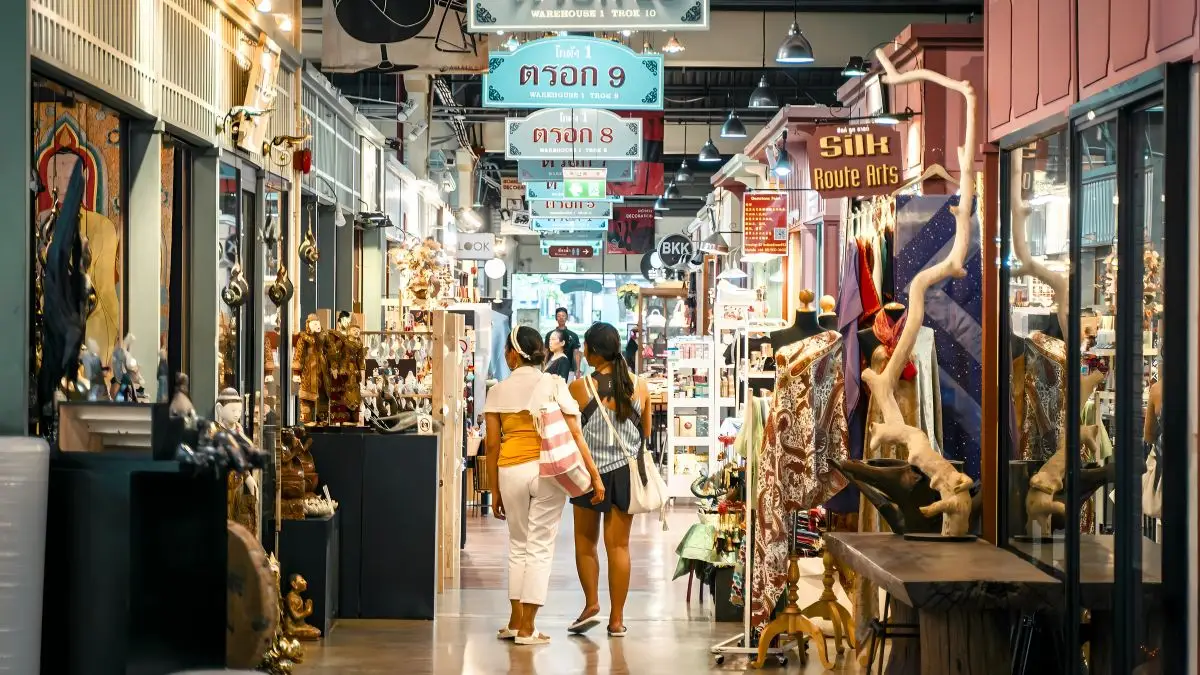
{"type": "Point", "coordinates": [631, 230]}
{"type": "Point", "coordinates": [764, 222]}
{"type": "Point", "coordinates": [475, 246]}
{"type": "Point", "coordinates": [571, 251]}
{"type": "Point", "coordinates": [558, 190]}
{"type": "Point", "coordinates": [585, 183]}
{"type": "Point", "coordinates": [548, 170]}
{"type": "Point", "coordinates": [675, 250]}
{"type": "Point", "coordinates": [484, 16]}
{"type": "Point", "coordinates": [855, 160]}
{"type": "Point", "coordinates": [580, 72]}
{"type": "Point", "coordinates": [572, 210]}
{"type": "Point", "coordinates": [564, 133]}
{"type": "Point", "coordinates": [563, 225]}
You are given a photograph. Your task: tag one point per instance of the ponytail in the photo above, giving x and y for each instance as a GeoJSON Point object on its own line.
{"type": "Point", "coordinates": [622, 387]}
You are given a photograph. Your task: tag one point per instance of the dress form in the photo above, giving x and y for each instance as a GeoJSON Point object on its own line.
{"type": "Point", "coordinates": [828, 318]}
{"type": "Point", "coordinates": [804, 325]}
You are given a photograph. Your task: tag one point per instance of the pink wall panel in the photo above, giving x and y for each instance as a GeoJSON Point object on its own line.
{"type": "Point", "coordinates": [1024, 56]}
{"type": "Point", "coordinates": [1174, 21]}
{"type": "Point", "coordinates": [1093, 40]}
{"type": "Point", "coordinates": [998, 17]}
{"type": "Point", "coordinates": [1129, 33]}
{"type": "Point", "coordinates": [1054, 49]}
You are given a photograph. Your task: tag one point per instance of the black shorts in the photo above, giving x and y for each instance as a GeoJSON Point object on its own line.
{"type": "Point", "coordinates": [616, 492]}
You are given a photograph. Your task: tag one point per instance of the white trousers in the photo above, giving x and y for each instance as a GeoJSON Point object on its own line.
{"type": "Point", "coordinates": [533, 507]}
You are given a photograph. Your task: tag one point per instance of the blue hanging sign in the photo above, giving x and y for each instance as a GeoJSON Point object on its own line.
{"type": "Point", "coordinates": [570, 209]}
{"type": "Point", "coordinates": [568, 133]}
{"type": "Point", "coordinates": [551, 170]}
{"type": "Point", "coordinates": [576, 72]}
{"type": "Point", "coordinates": [560, 225]}
{"type": "Point", "coordinates": [486, 16]}
{"type": "Point", "coordinates": [557, 190]}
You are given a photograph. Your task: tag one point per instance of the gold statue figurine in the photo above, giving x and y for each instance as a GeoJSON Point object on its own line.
{"type": "Point", "coordinates": [297, 611]}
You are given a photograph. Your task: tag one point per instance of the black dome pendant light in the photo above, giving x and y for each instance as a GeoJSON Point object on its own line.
{"type": "Point", "coordinates": [683, 175]}
{"type": "Point", "coordinates": [795, 48]}
{"type": "Point", "coordinates": [762, 97]}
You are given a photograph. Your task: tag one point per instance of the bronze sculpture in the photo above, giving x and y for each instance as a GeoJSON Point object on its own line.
{"type": "Point", "coordinates": [308, 366]}
{"type": "Point", "coordinates": [297, 610]}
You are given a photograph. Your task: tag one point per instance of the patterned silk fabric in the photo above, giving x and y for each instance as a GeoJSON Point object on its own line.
{"type": "Point", "coordinates": [1045, 391]}
{"type": "Point", "coordinates": [806, 428]}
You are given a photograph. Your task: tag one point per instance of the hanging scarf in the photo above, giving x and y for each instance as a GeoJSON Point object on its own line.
{"type": "Point", "coordinates": [888, 333]}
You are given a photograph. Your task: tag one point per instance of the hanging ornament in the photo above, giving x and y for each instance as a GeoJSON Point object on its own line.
{"type": "Point", "coordinates": [235, 292]}
{"type": "Point", "coordinates": [308, 248]}
{"type": "Point", "coordinates": [280, 291]}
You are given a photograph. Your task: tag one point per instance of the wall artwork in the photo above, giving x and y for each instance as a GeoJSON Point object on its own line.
{"type": "Point", "coordinates": [631, 230]}
{"type": "Point", "coordinates": [70, 129]}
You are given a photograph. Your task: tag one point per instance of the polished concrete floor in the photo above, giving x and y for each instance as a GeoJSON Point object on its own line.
{"type": "Point", "coordinates": [666, 632]}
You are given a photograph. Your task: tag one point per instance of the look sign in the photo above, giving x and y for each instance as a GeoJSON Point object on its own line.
{"type": "Point", "coordinates": [577, 72]}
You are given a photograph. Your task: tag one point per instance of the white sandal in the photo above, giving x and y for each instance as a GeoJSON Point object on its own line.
{"type": "Point", "coordinates": [506, 634]}
{"type": "Point", "coordinates": [529, 640]}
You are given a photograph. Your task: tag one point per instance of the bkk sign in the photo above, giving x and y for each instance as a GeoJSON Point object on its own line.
{"type": "Point", "coordinates": [581, 72]}
{"type": "Point", "coordinates": [764, 223]}
{"type": "Point", "coordinates": [564, 133]}
{"type": "Point", "coordinates": [562, 225]}
{"type": "Point", "coordinates": [570, 210]}
{"type": "Point", "coordinates": [550, 170]}
{"type": "Point", "coordinates": [855, 160]}
{"type": "Point", "coordinates": [484, 16]}
{"type": "Point", "coordinates": [675, 250]}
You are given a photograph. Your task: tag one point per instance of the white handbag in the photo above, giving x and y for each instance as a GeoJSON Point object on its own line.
{"type": "Point", "coordinates": [1151, 488]}
{"type": "Point", "coordinates": [647, 489]}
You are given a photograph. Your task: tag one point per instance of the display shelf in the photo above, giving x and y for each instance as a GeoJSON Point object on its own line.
{"type": "Point", "coordinates": [691, 403]}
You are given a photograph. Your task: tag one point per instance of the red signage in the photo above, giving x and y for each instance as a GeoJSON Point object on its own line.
{"type": "Point", "coordinates": [571, 251]}
{"type": "Point", "coordinates": [764, 222]}
{"type": "Point", "coordinates": [855, 160]}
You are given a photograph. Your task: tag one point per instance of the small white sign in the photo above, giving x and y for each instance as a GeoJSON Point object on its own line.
{"type": "Point", "coordinates": [476, 246]}
{"type": "Point", "coordinates": [569, 265]}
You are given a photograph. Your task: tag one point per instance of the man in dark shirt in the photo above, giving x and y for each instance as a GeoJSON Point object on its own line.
{"type": "Point", "coordinates": [571, 349]}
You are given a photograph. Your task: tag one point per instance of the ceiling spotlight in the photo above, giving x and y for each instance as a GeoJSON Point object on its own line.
{"type": "Point", "coordinates": [673, 46]}
{"type": "Point", "coordinates": [763, 97]}
{"type": "Point", "coordinates": [709, 153]}
{"type": "Point", "coordinates": [263, 6]}
{"type": "Point", "coordinates": [683, 175]}
{"type": "Point", "coordinates": [855, 67]}
{"type": "Point", "coordinates": [795, 47]}
{"type": "Point", "coordinates": [783, 167]}
{"type": "Point", "coordinates": [886, 119]}
{"type": "Point", "coordinates": [733, 127]}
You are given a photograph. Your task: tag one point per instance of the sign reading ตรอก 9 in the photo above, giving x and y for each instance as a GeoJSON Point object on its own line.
{"type": "Point", "coordinates": [587, 15]}
{"type": "Point", "coordinates": [581, 72]}
{"type": "Point", "coordinates": [564, 133]}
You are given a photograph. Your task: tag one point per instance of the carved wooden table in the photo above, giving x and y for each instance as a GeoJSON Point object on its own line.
{"type": "Point", "coordinates": [962, 594]}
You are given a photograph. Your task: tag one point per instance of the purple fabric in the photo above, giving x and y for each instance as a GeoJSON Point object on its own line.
{"type": "Point", "coordinates": [849, 309]}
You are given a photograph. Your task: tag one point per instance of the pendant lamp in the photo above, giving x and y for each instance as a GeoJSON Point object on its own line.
{"type": "Point", "coordinates": [715, 243]}
{"type": "Point", "coordinates": [855, 67]}
{"type": "Point", "coordinates": [660, 205]}
{"type": "Point", "coordinates": [795, 48]}
{"type": "Point", "coordinates": [672, 192]}
{"type": "Point", "coordinates": [783, 166]}
{"type": "Point", "coordinates": [683, 175]}
{"type": "Point", "coordinates": [673, 46]}
{"type": "Point", "coordinates": [709, 153]}
{"type": "Point", "coordinates": [732, 273]}
{"type": "Point", "coordinates": [733, 127]}
{"type": "Point", "coordinates": [763, 97]}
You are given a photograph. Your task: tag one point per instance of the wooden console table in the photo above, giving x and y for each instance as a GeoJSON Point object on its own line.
{"type": "Point", "coordinates": [961, 593]}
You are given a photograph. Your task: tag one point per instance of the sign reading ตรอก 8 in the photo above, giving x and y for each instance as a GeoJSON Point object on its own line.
{"type": "Point", "coordinates": [587, 15]}
{"type": "Point", "coordinates": [581, 72]}
{"type": "Point", "coordinates": [566, 133]}
{"type": "Point", "coordinates": [855, 160]}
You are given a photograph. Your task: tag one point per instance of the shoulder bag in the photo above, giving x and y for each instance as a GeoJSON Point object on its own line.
{"type": "Point", "coordinates": [647, 489]}
{"type": "Point", "coordinates": [560, 459]}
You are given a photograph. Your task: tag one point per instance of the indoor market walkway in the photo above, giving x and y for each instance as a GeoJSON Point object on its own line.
{"type": "Point", "coordinates": [666, 634]}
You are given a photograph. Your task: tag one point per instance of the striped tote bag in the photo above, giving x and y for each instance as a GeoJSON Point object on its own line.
{"type": "Point", "coordinates": [560, 459]}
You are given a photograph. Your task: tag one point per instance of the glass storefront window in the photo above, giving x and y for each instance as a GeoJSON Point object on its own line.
{"type": "Point", "coordinates": [229, 236]}
{"type": "Point", "coordinates": [769, 277]}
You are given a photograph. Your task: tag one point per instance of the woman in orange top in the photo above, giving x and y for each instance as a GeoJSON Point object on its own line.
{"type": "Point", "coordinates": [533, 506]}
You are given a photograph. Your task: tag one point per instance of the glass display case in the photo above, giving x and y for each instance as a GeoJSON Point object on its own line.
{"type": "Point", "coordinates": [662, 315]}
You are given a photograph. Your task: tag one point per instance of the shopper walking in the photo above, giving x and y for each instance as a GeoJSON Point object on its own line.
{"type": "Point", "coordinates": [533, 506]}
{"type": "Point", "coordinates": [559, 363]}
{"type": "Point", "coordinates": [570, 340]}
{"type": "Point", "coordinates": [616, 421]}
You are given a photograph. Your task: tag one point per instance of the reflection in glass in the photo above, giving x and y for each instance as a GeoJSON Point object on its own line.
{"type": "Point", "coordinates": [273, 244]}
{"type": "Point", "coordinates": [229, 237]}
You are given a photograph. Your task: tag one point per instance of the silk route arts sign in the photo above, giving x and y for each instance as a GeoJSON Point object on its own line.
{"type": "Point", "coordinates": [581, 72]}
{"type": "Point", "coordinates": [586, 15]}
{"type": "Point", "coordinates": [564, 133]}
{"type": "Point", "coordinates": [570, 210]}
{"type": "Point", "coordinates": [551, 170]}
{"type": "Point", "coordinates": [855, 160]}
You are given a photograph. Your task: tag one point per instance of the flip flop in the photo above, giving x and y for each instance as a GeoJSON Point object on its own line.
{"type": "Point", "coordinates": [530, 640]}
{"type": "Point", "coordinates": [506, 634]}
{"type": "Point", "coordinates": [617, 633]}
{"type": "Point", "coordinates": [584, 625]}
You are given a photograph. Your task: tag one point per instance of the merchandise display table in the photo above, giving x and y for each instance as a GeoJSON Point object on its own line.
{"type": "Point", "coordinates": [961, 593]}
{"type": "Point", "coordinates": [1097, 572]}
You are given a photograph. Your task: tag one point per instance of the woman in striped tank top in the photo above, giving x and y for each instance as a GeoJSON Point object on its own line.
{"type": "Point", "coordinates": [626, 401]}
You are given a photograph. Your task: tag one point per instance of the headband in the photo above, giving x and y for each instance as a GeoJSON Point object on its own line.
{"type": "Point", "coordinates": [512, 339]}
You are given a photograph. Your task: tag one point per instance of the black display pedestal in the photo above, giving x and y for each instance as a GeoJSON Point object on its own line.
{"type": "Point", "coordinates": [135, 567]}
{"type": "Point", "coordinates": [387, 487]}
{"type": "Point", "coordinates": [310, 548]}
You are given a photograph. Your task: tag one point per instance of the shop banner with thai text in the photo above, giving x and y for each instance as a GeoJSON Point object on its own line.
{"type": "Point", "coordinates": [764, 223]}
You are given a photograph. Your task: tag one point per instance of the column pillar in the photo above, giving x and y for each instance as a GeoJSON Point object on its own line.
{"type": "Point", "coordinates": [143, 248]}
{"type": "Point", "coordinates": [15, 255]}
{"type": "Point", "coordinates": [204, 291]}
{"type": "Point", "coordinates": [373, 261]}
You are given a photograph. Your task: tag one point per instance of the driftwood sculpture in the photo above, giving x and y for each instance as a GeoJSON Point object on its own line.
{"type": "Point", "coordinates": [952, 487]}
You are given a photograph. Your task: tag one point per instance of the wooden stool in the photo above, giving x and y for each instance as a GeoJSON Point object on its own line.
{"type": "Point", "coordinates": [827, 607]}
{"type": "Point", "coordinates": [792, 622]}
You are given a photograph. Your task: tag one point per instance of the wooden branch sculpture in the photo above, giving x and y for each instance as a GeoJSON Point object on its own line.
{"type": "Point", "coordinates": [1059, 283]}
{"type": "Point", "coordinates": [953, 487]}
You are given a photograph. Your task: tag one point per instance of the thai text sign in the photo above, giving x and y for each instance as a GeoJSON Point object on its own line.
{"type": "Point", "coordinates": [581, 72]}
{"type": "Point", "coordinates": [586, 15]}
{"type": "Point", "coordinates": [572, 251]}
{"type": "Point", "coordinates": [558, 190]}
{"type": "Point", "coordinates": [857, 160]}
{"type": "Point", "coordinates": [564, 133]}
{"type": "Point", "coordinates": [545, 170]}
{"type": "Point", "coordinates": [571, 210]}
{"type": "Point", "coordinates": [562, 225]}
{"type": "Point", "coordinates": [764, 222]}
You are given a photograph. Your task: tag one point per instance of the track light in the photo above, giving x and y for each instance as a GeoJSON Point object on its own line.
{"type": "Point", "coordinates": [733, 127]}
{"type": "Point", "coordinates": [763, 97]}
